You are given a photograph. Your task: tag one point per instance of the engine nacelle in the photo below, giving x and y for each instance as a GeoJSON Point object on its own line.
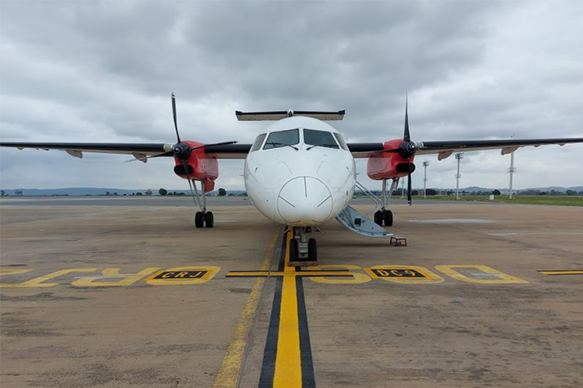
{"type": "Point", "coordinates": [200, 166]}
{"type": "Point", "coordinates": [388, 165]}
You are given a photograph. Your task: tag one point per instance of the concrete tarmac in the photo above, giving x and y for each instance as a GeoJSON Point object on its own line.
{"type": "Point", "coordinates": [135, 296]}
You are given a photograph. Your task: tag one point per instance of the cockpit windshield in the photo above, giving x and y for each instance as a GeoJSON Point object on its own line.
{"type": "Point", "coordinates": [319, 138]}
{"type": "Point", "coordinates": [282, 139]}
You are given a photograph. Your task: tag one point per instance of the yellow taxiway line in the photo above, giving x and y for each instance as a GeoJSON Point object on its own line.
{"type": "Point", "coordinates": [576, 272]}
{"type": "Point", "coordinates": [288, 364]}
{"type": "Point", "coordinates": [228, 374]}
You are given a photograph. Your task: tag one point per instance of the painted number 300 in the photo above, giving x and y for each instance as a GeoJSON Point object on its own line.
{"type": "Point", "coordinates": [193, 275]}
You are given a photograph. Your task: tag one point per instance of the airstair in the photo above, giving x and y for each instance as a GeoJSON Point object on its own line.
{"type": "Point", "coordinates": [358, 223]}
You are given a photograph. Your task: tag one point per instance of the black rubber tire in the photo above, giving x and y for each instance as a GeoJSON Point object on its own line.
{"type": "Point", "coordinates": [388, 218]}
{"type": "Point", "coordinates": [378, 218]}
{"type": "Point", "coordinates": [209, 220]}
{"type": "Point", "coordinates": [199, 220]}
{"type": "Point", "coordinates": [312, 250]}
{"type": "Point", "coordinates": [293, 250]}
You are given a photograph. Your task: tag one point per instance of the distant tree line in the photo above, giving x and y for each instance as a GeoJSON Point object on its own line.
{"type": "Point", "coordinates": [432, 192]}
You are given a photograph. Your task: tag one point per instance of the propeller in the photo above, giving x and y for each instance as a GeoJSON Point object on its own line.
{"type": "Point", "coordinates": [174, 116]}
{"type": "Point", "coordinates": [410, 149]}
{"type": "Point", "coordinates": [182, 150]}
{"type": "Point", "coordinates": [406, 150]}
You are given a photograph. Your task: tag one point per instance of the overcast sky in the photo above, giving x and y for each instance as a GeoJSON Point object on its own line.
{"type": "Point", "coordinates": [103, 71]}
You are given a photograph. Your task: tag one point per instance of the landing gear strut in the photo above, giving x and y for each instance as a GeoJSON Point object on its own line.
{"type": "Point", "coordinates": [202, 218]}
{"type": "Point", "coordinates": [385, 216]}
{"type": "Point", "coordinates": [302, 251]}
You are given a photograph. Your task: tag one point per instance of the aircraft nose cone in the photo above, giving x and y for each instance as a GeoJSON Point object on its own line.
{"type": "Point", "coordinates": [304, 201]}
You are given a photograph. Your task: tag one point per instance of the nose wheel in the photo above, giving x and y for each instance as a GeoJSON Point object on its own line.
{"type": "Point", "coordinates": [302, 251]}
{"type": "Point", "coordinates": [312, 250]}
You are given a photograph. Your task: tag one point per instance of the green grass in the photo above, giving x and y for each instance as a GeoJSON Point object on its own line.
{"type": "Point", "coordinates": [567, 200]}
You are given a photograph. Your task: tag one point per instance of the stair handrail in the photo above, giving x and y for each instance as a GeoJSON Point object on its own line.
{"type": "Point", "coordinates": [378, 203]}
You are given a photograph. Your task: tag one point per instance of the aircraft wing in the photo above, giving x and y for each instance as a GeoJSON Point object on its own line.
{"type": "Point", "coordinates": [447, 147]}
{"type": "Point", "coordinates": [140, 151]}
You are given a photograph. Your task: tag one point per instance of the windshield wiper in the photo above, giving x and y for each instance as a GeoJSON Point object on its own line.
{"type": "Point", "coordinates": [322, 145]}
{"type": "Point", "coordinates": [276, 144]}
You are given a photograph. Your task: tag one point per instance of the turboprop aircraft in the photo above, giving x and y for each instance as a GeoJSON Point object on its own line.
{"type": "Point", "coordinates": [300, 172]}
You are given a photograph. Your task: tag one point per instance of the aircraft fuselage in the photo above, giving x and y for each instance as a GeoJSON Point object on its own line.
{"type": "Point", "coordinates": [305, 183]}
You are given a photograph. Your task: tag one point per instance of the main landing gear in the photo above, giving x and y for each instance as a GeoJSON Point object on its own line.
{"type": "Point", "coordinates": [385, 216]}
{"type": "Point", "coordinates": [202, 218]}
{"type": "Point", "coordinates": [302, 251]}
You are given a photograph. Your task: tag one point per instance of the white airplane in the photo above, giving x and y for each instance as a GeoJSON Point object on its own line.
{"type": "Point", "coordinates": [300, 172]}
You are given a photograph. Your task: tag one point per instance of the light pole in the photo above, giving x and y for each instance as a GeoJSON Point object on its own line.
{"type": "Point", "coordinates": [425, 164]}
{"type": "Point", "coordinates": [511, 171]}
{"type": "Point", "coordinates": [458, 157]}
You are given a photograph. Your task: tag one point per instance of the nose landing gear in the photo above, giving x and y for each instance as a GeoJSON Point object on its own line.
{"type": "Point", "coordinates": [302, 251]}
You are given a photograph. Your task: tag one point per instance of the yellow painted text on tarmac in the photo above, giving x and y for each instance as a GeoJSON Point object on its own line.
{"type": "Point", "coordinates": [183, 275]}
{"type": "Point", "coordinates": [494, 276]}
{"type": "Point", "coordinates": [40, 281]}
{"type": "Point", "coordinates": [404, 274]}
{"type": "Point", "coordinates": [128, 278]}
{"type": "Point", "coordinates": [4, 272]}
{"type": "Point", "coordinates": [357, 278]}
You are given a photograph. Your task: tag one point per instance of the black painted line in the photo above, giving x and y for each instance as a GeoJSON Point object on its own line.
{"type": "Point", "coordinates": [270, 352]}
{"type": "Point", "coordinates": [308, 379]}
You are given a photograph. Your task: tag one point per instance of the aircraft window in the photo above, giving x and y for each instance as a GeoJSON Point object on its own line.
{"type": "Point", "coordinates": [282, 139]}
{"type": "Point", "coordinates": [258, 141]}
{"type": "Point", "coordinates": [341, 141]}
{"type": "Point", "coordinates": [319, 138]}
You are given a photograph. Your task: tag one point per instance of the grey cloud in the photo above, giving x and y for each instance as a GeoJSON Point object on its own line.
{"type": "Point", "coordinates": [103, 71]}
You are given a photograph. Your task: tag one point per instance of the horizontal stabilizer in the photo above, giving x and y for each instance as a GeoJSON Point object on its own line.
{"type": "Point", "coordinates": [278, 115]}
